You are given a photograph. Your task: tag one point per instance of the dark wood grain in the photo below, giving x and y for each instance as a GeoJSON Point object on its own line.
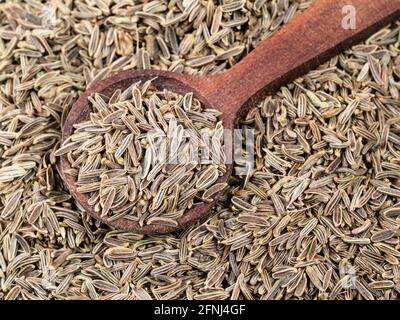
{"type": "Point", "coordinates": [306, 42]}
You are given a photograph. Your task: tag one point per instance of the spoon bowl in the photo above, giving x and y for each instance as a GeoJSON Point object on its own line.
{"type": "Point", "coordinates": [174, 82]}
{"type": "Point", "coordinates": [310, 39]}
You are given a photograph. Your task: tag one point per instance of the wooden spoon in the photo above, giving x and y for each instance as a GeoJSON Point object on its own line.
{"type": "Point", "coordinates": [309, 40]}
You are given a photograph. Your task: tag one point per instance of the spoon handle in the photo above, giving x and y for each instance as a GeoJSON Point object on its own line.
{"type": "Point", "coordinates": [321, 32]}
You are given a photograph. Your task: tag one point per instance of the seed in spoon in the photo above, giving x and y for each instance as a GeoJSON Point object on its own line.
{"type": "Point", "coordinates": [142, 156]}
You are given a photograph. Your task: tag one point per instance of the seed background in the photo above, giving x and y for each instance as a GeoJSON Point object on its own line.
{"type": "Point", "coordinates": [331, 234]}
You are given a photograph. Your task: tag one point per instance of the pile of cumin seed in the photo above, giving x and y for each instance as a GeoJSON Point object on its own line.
{"type": "Point", "coordinates": [146, 155]}
{"type": "Point", "coordinates": [318, 217]}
